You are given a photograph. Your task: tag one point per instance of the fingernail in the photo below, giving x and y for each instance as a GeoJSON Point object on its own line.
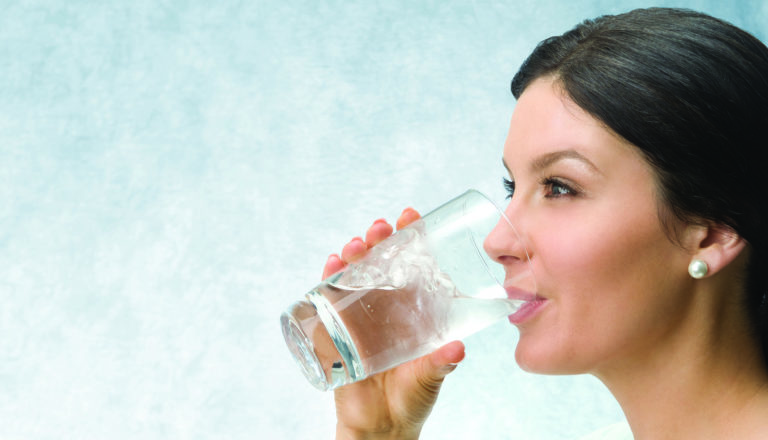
{"type": "Point", "coordinates": [379, 221]}
{"type": "Point", "coordinates": [358, 239]}
{"type": "Point", "coordinates": [408, 210]}
{"type": "Point", "coordinates": [447, 368]}
{"type": "Point", "coordinates": [333, 257]}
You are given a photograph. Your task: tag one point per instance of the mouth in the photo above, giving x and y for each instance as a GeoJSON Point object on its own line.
{"type": "Point", "coordinates": [516, 294]}
{"type": "Point", "coordinates": [531, 304]}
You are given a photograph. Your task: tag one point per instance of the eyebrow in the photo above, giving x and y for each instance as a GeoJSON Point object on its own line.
{"type": "Point", "coordinates": [548, 159]}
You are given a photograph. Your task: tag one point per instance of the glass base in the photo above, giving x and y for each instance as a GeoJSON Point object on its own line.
{"type": "Point", "coordinates": [320, 344]}
{"type": "Point", "coordinates": [303, 352]}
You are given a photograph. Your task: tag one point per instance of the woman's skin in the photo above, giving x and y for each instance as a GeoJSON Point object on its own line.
{"type": "Point", "coordinates": [614, 295]}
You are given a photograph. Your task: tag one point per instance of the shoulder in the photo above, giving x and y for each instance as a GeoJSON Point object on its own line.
{"type": "Point", "coordinates": [617, 431]}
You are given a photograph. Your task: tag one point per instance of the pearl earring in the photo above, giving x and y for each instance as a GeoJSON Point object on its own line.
{"type": "Point", "coordinates": [698, 268]}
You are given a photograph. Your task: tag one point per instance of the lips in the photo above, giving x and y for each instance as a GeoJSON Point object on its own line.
{"type": "Point", "coordinates": [519, 294]}
{"type": "Point", "coordinates": [531, 304]}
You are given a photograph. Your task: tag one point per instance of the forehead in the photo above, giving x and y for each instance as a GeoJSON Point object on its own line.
{"type": "Point", "coordinates": [545, 120]}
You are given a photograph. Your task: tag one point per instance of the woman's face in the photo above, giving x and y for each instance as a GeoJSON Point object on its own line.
{"type": "Point", "coordinates": [610, 283]}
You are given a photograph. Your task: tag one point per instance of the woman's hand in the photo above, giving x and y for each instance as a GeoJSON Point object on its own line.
{"type": "Point", "coordinates": [393, 404]}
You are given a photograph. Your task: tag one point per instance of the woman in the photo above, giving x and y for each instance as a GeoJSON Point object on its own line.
{"type": "Point", "coordinates": [638, 139]}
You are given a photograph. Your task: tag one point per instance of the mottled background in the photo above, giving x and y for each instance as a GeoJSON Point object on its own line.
{"type": "Point", "coordinates": [174, 173]}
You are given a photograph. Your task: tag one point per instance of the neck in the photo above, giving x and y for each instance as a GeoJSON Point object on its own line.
{"type": "Point", "coordinates": [704, 381]}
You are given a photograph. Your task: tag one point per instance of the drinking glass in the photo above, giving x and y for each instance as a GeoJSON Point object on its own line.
{"type": "Point", "coordinates": [428, 284]}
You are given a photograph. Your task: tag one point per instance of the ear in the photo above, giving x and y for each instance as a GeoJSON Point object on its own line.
{"type": "Point", "coordinates": [716, 245]}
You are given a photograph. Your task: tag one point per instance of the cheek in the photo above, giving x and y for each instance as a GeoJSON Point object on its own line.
{"type": "Point", "coordinates": [607, 290]}
{"type": "Point", "coordinates": [603, 273]}
{"type": "Point", "coordinates": [598, 249]}
{"type": "Point", "coordinates": [586, 318]}
{"type": "Point", "coordinates": [571, 256]}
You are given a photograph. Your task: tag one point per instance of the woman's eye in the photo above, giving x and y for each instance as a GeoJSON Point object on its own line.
{"type": "Point", "coordinates": [556, 188]}
{"type": "Point", "coordinates": [509, 185]}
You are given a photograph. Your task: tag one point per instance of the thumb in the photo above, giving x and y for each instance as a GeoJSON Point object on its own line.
{"type": "Point", "coordinates": [434, 367]}
{"type": "Point", "coordinates": [427, 375]}
{"type": "Point", "coordinates": [424, 378]}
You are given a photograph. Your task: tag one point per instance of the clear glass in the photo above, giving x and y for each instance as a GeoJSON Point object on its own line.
{"type": "Point", "coordinates": [430, 283]}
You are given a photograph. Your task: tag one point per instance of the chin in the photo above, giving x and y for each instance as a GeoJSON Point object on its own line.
{"type": "Point", "coordinates": [547, 362]}
{"type": "Point", "coordinates": [532, 361]}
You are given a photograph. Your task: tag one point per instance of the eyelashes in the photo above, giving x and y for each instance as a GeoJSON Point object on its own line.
{"type": "Point", "coordinates": [556, 188]}
{"type": "Point", "coordinates": [553, 188]}
{"type": "Point", "coordinates": [509, 186]}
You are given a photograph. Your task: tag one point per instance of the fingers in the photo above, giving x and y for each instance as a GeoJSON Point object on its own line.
{"type": "Point", "coordinates": [357, 247]}
{"type": "Point", "coordinates": [354, 250]}
{"type": "Point", "coordinates": [408, 216]}
{"type": "Point", "coordinates": [378, 232]}
{"type": "Point", "coordinates": [333, 265]}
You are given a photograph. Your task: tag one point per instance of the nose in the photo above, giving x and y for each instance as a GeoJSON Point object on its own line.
{"type": "Point", "coordinates": [505, 245]}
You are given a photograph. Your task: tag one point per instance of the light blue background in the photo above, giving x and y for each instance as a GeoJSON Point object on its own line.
{"type": "Point", "coordinates": [173, 174]}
